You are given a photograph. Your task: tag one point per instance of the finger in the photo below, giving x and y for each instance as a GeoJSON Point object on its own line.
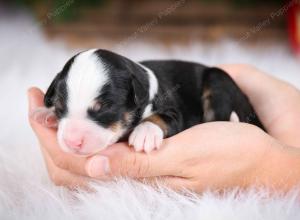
{"type": "Point", "coordinates": [258, 84]}
{"type": "Point", "coordinates": [36, 97]}
{"type": "Point", "coordinates": [48, 139]}
{"type": "Point", "coordinates": [121, 160]}
{"type": "Point", "coordinates": [260, 88]}
{"type": "Point", "coordinates": [61, 177]}
{"type": "Point", "coordinates": [253, 81]}
{"type": "Point", "coordinates": [35, 105]}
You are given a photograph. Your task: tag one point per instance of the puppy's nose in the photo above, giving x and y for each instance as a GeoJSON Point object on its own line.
{"type": "Point", "coordinates": [75, 144]}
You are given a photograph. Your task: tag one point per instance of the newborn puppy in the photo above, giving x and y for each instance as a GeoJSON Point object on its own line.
{"type": "Point", "coordinates": [101, 97]}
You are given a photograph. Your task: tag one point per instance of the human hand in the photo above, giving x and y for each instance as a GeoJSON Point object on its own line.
{"type": "Point", "coordinates": [276, 102]}
{"type": "Point", "coordinates": [184, 161]}
{"type": "Point", "coordinates": [58, 162]}
{"type": "Point", "coordinates": [73, 171]}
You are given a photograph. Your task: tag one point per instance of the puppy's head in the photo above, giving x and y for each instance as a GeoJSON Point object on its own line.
{"type": "Point", "coordinates": [97, 98]}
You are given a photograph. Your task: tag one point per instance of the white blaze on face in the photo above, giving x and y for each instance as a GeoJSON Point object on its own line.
{"type": "Point", "coordinates": [76, 132]}
{"type": "Point", "coordinates": [86, 77]}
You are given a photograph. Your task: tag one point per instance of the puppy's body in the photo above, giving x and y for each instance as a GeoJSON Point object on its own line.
{"type": "Point", "coordinates": [198, 94]}
{"type": "Point", "coordinates": [101, 97]}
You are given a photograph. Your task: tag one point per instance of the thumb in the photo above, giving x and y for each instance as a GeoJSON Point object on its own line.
{"type": "Point", "coordinates": [121, 160]}
{"type": "Point", "coordinates": [40, 117]}
{"type": "Point", "coordinates": [35, 99]}
{"type": "Point", "coordinates": [35, 107]}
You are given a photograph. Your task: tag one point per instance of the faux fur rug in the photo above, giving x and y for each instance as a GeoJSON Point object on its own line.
{"type": "Point", "coordinates": [27, 58]}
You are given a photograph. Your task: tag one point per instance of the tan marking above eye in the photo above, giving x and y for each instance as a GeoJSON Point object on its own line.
{"type": "Point", "coordinates": [96, 106]}
{"type": "Point", "coordinates": [116, 127]}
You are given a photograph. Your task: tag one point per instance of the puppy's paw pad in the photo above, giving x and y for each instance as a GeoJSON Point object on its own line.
{"type": "Point", "coordinates": [44, 116]}
{"type": "Point", "coordinates": [146, 136]}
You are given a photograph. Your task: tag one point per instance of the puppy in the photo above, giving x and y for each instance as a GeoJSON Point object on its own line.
{"type": "Point", "coordinates": [101, 97]}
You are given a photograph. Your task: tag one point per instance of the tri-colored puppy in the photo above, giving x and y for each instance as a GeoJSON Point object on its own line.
{"type": "Point", "coordinates": [100, 97]}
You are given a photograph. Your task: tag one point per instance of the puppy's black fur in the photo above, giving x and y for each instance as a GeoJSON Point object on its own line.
{"type": "Point", "coordinates": [189, 93]}
{"type": "Point", "coordinates": [187, 81]}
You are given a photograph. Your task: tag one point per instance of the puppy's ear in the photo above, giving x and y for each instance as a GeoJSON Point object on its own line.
{"type": "Point", "coordinates": [51, 91]}
{"type": "Point", "coordinates": [140, 84]}
{"type": "Point", "coordinates": [45, 116]}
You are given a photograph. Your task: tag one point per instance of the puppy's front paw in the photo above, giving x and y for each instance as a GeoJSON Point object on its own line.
{"type": "Point", "coordinates": [146, 136]}
{"type": "Point", "coordinates": [44, 116]}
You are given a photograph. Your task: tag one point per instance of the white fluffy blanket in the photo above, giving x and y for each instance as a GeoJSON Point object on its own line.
{"type": "Point", "coordinates": [27, 58]}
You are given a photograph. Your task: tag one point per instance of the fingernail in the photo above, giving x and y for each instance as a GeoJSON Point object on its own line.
{"type": "Point", "coordinates": [98, 166]}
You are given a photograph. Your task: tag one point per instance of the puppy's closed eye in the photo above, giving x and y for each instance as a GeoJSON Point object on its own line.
{"type": "Point", "coordinates": [96, 106]}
